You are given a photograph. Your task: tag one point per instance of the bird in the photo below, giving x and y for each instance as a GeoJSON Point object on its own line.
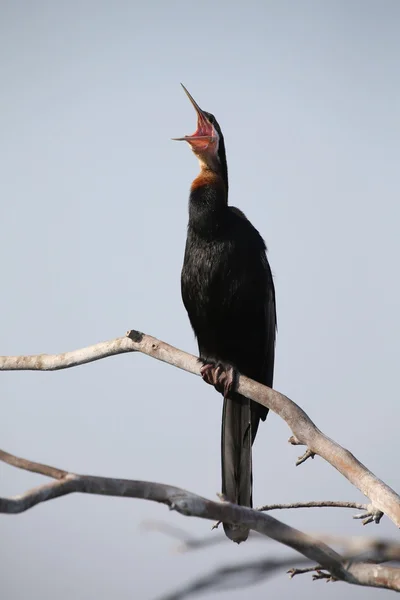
{"type": "Point", "coordinates": [228, 292]}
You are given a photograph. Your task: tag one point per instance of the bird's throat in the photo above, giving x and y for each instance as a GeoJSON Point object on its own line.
{"type": "Point", "coordinates": [207, 178]}
{"type": "Point", "coordinates": [208, 204]}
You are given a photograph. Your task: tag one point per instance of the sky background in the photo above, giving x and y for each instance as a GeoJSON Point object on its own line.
{"type": "Point", "coordinates": [93, 201]}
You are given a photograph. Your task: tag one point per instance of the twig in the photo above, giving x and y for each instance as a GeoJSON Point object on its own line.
{"type": "Point", "coordinates": [369, 515]}
{"type": "Point", "coordinates": [307, 454]}
{"type": "Point", "coordinates": [33, 467]}
{"type": "Point", "coordinates": [293, 572]}
{"type": "Point", "coordinates": [320, 574]}
{"type": "Point", "coordinates": [187, 541]}
{"type": "Point", "coordinates": [315, 504]}
{"type": "Point", "coordinates": [305, 432]}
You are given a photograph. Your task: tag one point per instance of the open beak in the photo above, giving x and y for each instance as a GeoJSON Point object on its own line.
{"type": "Point", "coordinates": [205, 132]}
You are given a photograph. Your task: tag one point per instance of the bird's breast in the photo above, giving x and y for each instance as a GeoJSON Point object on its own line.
{"type": "Point", "coordinates": [217, 290]}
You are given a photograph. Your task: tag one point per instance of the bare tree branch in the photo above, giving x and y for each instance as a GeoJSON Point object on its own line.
{"type": "Point", "coordinates": [356, 548]}
{"type": "Point", "coordinates": [247, 574]}
{"type": "Point", "coordinates": [370, 514]}
{"type": "Point", "coordinates": [315, 504]}
{"type": "Point", "coordinates": [33, 467]}
{"type": "Point", "coordinates": [66, 360]}
{"type": "Point", "coordinates": [236, 576]}
{"type": "Point", "coordinates": [387, 573]}
{"type": "Point", "coordinates": [189, 504]}
{"type": "Point", "coordinates": [305, 432]}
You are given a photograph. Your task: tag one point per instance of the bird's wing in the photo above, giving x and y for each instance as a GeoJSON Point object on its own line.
{"type": "Point", "coordinates": [270, 320]}
{"type": "Point", "coordinates": [270, 326]}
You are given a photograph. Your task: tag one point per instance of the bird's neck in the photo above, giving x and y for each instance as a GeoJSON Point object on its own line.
{"type": "Point", "coordinates": [208, 203]}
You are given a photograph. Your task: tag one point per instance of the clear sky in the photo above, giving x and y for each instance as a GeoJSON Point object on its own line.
{"type": "Point", "coordinates": [93, 198]}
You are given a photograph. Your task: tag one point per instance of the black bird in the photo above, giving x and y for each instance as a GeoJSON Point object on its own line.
{"type": "Point", "coordinates": [228, 292]}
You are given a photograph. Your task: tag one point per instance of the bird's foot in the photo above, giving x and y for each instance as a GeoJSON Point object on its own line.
{"type": "Point", "coordinates": [222, 377]}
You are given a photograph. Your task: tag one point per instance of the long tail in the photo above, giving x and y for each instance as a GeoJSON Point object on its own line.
{"type": "Point", "coordinates": [237, 437]}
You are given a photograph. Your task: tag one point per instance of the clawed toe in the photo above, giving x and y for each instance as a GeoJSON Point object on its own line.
{"type": "Point", "coordinates": [221, 377]}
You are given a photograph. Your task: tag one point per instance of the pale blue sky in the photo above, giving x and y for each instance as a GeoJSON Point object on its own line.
{"type": "Point", "coordinates": [92, 231]}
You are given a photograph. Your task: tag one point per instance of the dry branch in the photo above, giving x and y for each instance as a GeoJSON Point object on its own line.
{"type": "Point", "coordinates": [383, 498]}
{"type": "Point", "coordinates": [315, 504]}
{"type": "Point", "coordinates": [246, 574]}
{"type": "Point", "coordinates": [235, 576]}
{"type": "Point", "coordinates": [368, 515]}
{"type": "Point", "coordinates": [356, 548]}
{"type": "Point", "coordinates": [189, 504]}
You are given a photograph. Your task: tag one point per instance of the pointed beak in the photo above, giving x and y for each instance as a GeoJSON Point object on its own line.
{"type": "Point", "coordinates": [205, 132]}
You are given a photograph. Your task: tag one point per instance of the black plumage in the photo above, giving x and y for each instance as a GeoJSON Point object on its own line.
{"type": "Point", "coordinates": [228, 292]}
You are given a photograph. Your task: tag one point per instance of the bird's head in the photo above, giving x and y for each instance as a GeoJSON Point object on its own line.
{"type": "Point", "coordinates": [207, 142]}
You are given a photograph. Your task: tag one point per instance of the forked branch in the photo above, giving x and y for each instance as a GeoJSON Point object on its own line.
{"type": "Point", "coordinates": [190, 504]}
{"type": "Point", "coordinates": [383, 498]}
